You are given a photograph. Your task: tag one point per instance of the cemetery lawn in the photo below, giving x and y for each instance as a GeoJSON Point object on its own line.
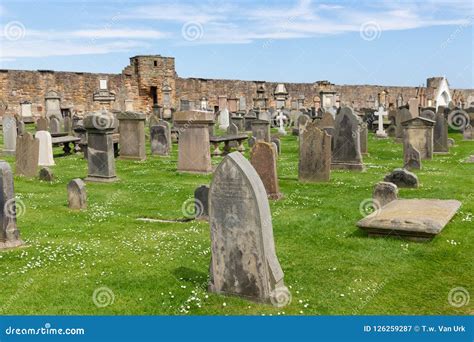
{"type": "Point", "coordinates": [160, 268]}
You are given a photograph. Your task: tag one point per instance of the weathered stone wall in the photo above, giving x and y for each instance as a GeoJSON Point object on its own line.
{"type": "Point", "coordinates": [147, 74]}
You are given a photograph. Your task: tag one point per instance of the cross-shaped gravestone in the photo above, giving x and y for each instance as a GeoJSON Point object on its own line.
{"type": "Point", "coordinates": [380, 114]}
{"type": "Point", "coordinates": [281, 122]}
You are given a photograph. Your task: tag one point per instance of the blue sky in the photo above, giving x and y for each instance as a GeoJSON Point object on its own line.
{"type": "Point", "coordinates": [345, 42]}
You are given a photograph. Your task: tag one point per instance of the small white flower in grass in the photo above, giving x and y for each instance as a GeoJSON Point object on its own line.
{"type": "Point", "coordinates": [224, 304]}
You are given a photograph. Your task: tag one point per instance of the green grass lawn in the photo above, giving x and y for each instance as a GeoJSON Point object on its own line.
{"type": "Point", "coordinates": [157, 268]}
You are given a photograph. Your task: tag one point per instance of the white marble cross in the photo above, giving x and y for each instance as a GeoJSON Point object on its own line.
{"type": "Point", "coordinates": [380, 114]}
{"type": "Point", "coordinates": [281, 122]}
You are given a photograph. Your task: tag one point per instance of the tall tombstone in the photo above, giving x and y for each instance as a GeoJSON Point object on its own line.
{"type": "Point", "coordinates": [76, 194]}
{"type": "Point", "coordinates": [413, 106]}
{"type": "Point", "coordinates": [25, 111]}
{"type": "Point", "coordinates": [418, 132]}
{"type": "Point", "coordinates": [132, 135]}
{"type": "Point", "coordinates": [263, 159]}
{"type": "Point", "coordinates": [67, 125]}
{"type": "Point", "coordinates": [100, 146]}
{"type": "Point", "coordinates": [54, 125]}
{"type": "Point", "coordinates": [261, 130]}
{"type": "Point", "coordinates": [52, 104]}
{"type": "Point", "coordinates": [201, 202]}
{"type": "Point", "coordinates": [27, 152]}
{"type": "Point", "coordinates": [315, 154]}
{"type": "Point", "coordinates": [440, 133]}
{"type": "Point", "coordinates": [411, 158]}
{"type": "Point", "coordinates": [242, 103]}
{"type": "Point", "coordinates": [9, 135]}
{"type": "Point", "coordinates": [194, 153]}
{"type": "Point", "coordinates": [42, 124]}
{"type": "Point", "coordinates": [346, 153]}
{"type": "Point", "coordinates": [45, 157]}
{"type": "Point", "coordinates": [9, 233]}
{"type": "Point", "coordinates": [468, 133]}
{"type": "Point", "coordinates": [160, 136]}
{"type": "Point", "coordinates": [239, 122]}
{"type": "Point", "coordinates": [244, 261]}
{"type": "Point", "coordinates": [402, 115]}
{"type": "Point", "coordinates": [222, 102]}
{"type": "Point", "coordinates": [250, 117]}
{"type": "Point", "coordinates": [224, 119]}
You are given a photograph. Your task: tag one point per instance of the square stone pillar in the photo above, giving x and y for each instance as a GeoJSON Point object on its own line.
{"type": "Point", "coordinates": [100, 147]}
{"type": "Point", "coordinates": [132, 135]}
{"type": "Point", "coordinates": [418, 133]}
{"type": "Point", "coordinates": [261, 130]}
{"type": "Point", "coordinates": [194, 153]}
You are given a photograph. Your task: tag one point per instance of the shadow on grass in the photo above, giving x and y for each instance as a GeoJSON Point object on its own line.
{"type": "Point", "coordinates": [191, 275]}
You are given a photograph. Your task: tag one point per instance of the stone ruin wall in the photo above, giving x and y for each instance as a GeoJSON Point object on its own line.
{"type": "Point", "coordinates": [144, 72]}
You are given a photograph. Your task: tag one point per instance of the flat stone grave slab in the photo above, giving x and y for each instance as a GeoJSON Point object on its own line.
{"type": "Point", "coordinates": [413, 219]}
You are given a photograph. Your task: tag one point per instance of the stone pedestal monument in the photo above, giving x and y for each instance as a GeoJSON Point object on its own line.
{"type": "Point", "coordinates": [132, 135]}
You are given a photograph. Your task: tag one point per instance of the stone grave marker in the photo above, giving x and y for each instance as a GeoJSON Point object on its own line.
{"type": "Point", "coordinates": [418, 132]}
{"type": "Point", "coordinates": [224, 119]}
{"type": "Point", "coordinates": [132, 135]}
{"type": "Point", "coordinates": [380, 114]}
{"type": "Point", "coordinates": [440, 133]}
{"type": "Point", "coordinates": [411, 158]}
{"type": "Point", "coordinates": [54, 125]}
{"type": "Point", "coordinates": [276, 140]}
{"type": "Point", "coordinates": [100, 147]}
{"type": "Point", "coordinates": [402, 178]}
{"type": "Point", "coordinates": [384, 193]}
{"type": "Point", "coordinates": [160, 136]}
{"type": "Point", "coordinates": [9, 135]}
{"type": "Point", "coordinates": [428, 114]}
{"type": "Point", "coordinates": [76, 194]}
{"type": "Point", "coordinates": [364, 138]}
{"type": "Point", "coordinates": [45, 174]}
{"type": "Point", "coordinates": [251, 142]}
{"type": "Point", "coordinates": [42, 124]}
{"type": "Point", "coordinates": [201, 202]}
{"type": "Point", "coordinates": [346, 153]}
{"type": "Point", "coordinates": [45, 148]}
{"type": "Point", "coordinates": [315, 154]}
{"type": "Point", "coordinates": [244, 261]}
{"type": "Point", "coordinates": [413, 106]}
{"type": "Point", "coordinates": [261, 130]}
{"type": "Point", "coordinates": [468, 133]}
{"type": "Point", "coordinates": [27, 152]}
{"type": "Point", "coordinates": [263, 159]}
{"type": "Point", "coordinates": [9, 233]}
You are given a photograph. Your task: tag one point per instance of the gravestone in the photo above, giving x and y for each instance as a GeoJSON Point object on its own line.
{"type": "Point", "coordinates": [315, 154]}
{"type": "Point", "coordinates": [68, 124]}
{"type": "Point", "coordinates": [346, 153]}
{"type": "Point", "coordinates": [27, 151]}
{"type": "Point", "coordinates": [100, 147]}
{"type": "Point", "coordinates": [413, 107]}
{"type": "Point", "coordinates": [265, 116]}
{"type": "Point", "coordinates": [364, 138]}
{"type": "Point", "coordinates": [233, 130]}
{"type": "Point", "coordinates": [9, 135]}
{"type": "Point", "coordinates": [46, 174]}
{"type": "Point", "coordinates": [418, 132]}
{"type": "Point", "coordinates": [403, 114]}
{"type": "Point", "coordinates": [263, 159]}
{"type": "Point", "coordinates": [9, 233]}
{"type": "Point", "coordinates": [411, 158]}
{"type": "Point", "coordinates": [248, 119]}
{"type": "Point", "coordinates": [277, 142]}
{"type": "Point", "coordinates": [76, 194]}
{"type": "Point", "coordinates": [428, 114]}
{"type": "Point", "coordinates": [242, 103]}
{"type": "Point", "coordinates": [381, 113]}
{"type": "Point", "coordinates": [261, 130]}
{"type": "Point", "coordinates": [160, 136]}
{"type": "Point", "coordinates": [468, 133]}
{"type": "Point", "coordinates": [54, 125]}
{"type": "Point", "coordinates": [384, 193]}
{"type": "Point", "coordinates": [25, 111]}
{"type": "Point", "coordinates": [194, 153]}
{"type": "Point", "coordinates": [302, 120]}
{"type": "Point", "coordinates": [52, 104]}
{"type": "Point", "coordinates": [42, 124]}
{"type": "Point", "coordinates": [440, 133]}
{"type": "Point", "coordinates": [281, 122]}
{"type": "Point", "coordinates": [451, 142]}
{"type": "Point", "coordinates": [224, 119]}
{"type": "Point", "coordinates": [244, 261]}
{"type": "Point", "coordinates": [132, 135]}
{"type": "Point", "coordinates": [201, 202]}
{"type": "Point", "coordinates": [402, 178]}
{"type": "Point", "coordinates": [239, 122]}
{"type": "Point", "coordinates": [45, 157]}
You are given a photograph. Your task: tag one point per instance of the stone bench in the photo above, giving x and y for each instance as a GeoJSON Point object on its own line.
{"type": "Point", "coordinates": [227, 139]}
{"type": "Point", "coordinates": [65, 141]}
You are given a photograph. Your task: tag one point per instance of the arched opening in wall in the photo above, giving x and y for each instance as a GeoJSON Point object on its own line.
{"type": "Point", "coordinates": [443, 99]}
{"type": "Point", "coordinates": [154, 94]}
